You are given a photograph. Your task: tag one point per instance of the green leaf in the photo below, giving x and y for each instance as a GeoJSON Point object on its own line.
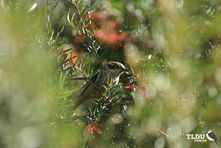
{"type": "Point", "coordinates": [61, 82]}
{"type": "Point", "coordinates": [67, 93]}
{"type": "Point", "coordinates": [79, 1]}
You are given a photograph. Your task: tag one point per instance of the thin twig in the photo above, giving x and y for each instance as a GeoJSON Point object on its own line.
{"type": "Point", "coordinates": [81, 78]}
{"type": "Point", "coordinates": [78, 12]}
{"type": "Point", "coordinates": [167, 136]}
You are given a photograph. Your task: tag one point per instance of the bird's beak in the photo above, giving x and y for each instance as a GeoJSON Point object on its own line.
{"type": "Point", "coordinates": [125, 70]}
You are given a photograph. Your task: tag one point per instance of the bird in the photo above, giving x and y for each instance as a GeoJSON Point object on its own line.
{"type": "Point", "coordinates": [96, 86]}
{"type": "Point", "coordinates": [211, 136]}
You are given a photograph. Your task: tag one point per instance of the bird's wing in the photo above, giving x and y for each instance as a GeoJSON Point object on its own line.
{"type": "Point", "coordinates": [213, 136]}
{"type": "Point", "coordinates": [92, 82]}
{"type": "Point", "coordinates": [90, 91]}
{"type": "Point", "coordinates": [81, 96]}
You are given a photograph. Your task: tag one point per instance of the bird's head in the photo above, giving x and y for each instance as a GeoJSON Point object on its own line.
{"type": "Point", "coordinates": [114, 69]}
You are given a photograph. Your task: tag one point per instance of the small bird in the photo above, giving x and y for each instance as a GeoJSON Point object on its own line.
{"type": "Point", "coordinates": [211, 136]}
{"type": "Point", "coordinates": [97, 85]}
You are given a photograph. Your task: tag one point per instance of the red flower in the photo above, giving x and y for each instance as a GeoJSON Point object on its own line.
{"type": "Point", "coordinates": [110, 37]}
{"type": "Point", "coordinates": [131, 86]}
{"type": "Point", "coordinates": [67, 60]}
{"type": "Point", "coordinates": [98, 17]}
{"type": "Point", "coordinates": [91, 128]}
{"type": "Point", "coordinates": [97, 130]}
{"type": "Point", "coordinates": [75, 55]}
{"type": "Point", "coordinates": [112, 24]}
{"type": "Point", "coordinates": [142, 86]}
{"type": "Point", "coordinates": [108, 32]}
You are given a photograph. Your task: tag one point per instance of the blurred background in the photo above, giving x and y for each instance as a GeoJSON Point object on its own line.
{"type": "Point", "coordinates": [171, 48]}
